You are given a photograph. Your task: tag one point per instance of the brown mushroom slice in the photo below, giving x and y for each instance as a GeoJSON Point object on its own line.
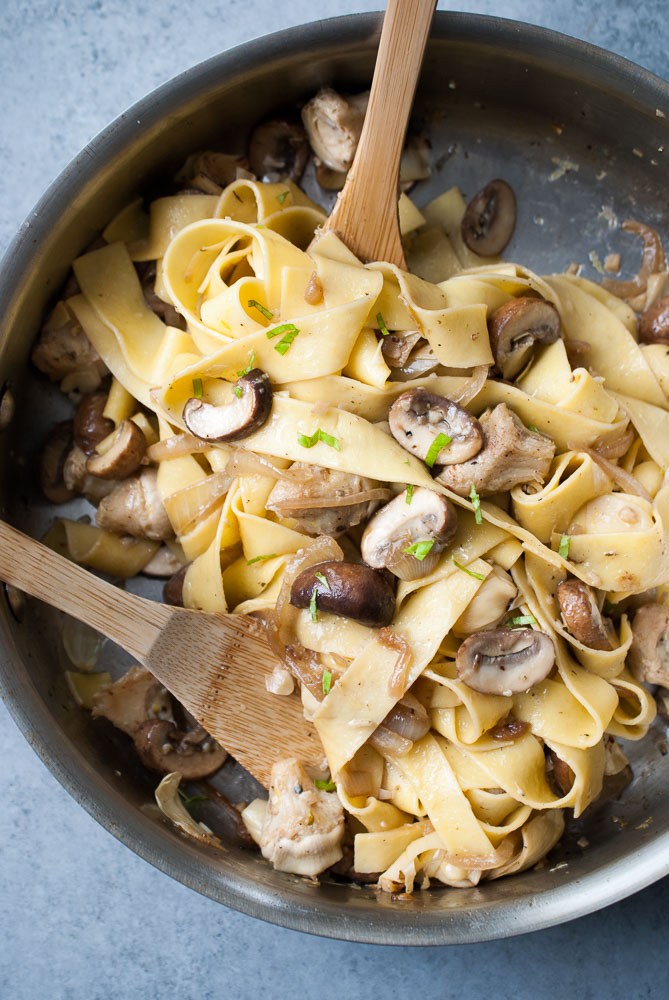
{"type": "Point", "coordinates": [408, 535]}
{"type": "Point", "coordinates": [417, 418]}
{"type": "Point", "coordinates": [511, 454]}
{"type": "Point", "coordinates": [90, 425]}
{"type": "Point", "coordinates": [350, 590]}
{"type": "Point", "coordinates": [173, 589]}
{"type": "Point", "coordinates": [654, 323]}
{"type": "Point", "coordinates": [211, 172]}
{"type": "Point", "coordinates": [64, 353]}
{"type": "Point", "coordinates": [559, 773]}
{"type": "Point", "coordinates": [162, 747]}
{"type": "Point", "coordinates": [134, 507]}
{"type": "Point", "coordinates": [648, 657]}
{"type": "Point", "coordinates": [489, 219]}
{"type": "Point", "coordinates": [278, 149]}
{"type": "Point", "coordinates": [78, 479]}
{"type": "Point", "coordinates": [516, 327]}
{"type": "Point", "coordinates": [505, 660]}
{"type": "Point", "coordinates": [396, 347]}
{"type": "Point", "coordinates": [52, 464]}
{"type": "Point", "coordinates": [239, 418]}
{"type": "Point", "coordinates": [333, 125]}
{"type": "Point", "coordinates": [582, 617]}
{"type": "Point", "coordinates": [124, 455]}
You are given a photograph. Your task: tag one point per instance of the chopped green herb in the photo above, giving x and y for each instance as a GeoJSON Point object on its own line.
{"type": "Point", "coordinates": [324, 580]}
{"type": "Point", "coordinates": [439, 442]}
{"type": "Point", "coordinates": [276, 331]}
{"type": "Point", "coordinates": [250, 366]}
{"type": "Point", "coordinates": [409, 497]}
{"type": "Point", "coordinates": [476, 503]}
{"type": "Point", "coordinates": [250, 562]}
{"type": "Point", "coordinates": [253, 304]}
{"type": "Point", "coordinates": [385, 332]}
{"type": "Point", "coordinates": [285, 342]}
{"type": "Point", "coordinates": [191, 800]}
{"type": "Point", "coordinates": [237, 389]}
{"type": "Point", "coordinates": [313, 607]}
{"type": "Point", "coordinates": [469, 572]}
{"type": "Point", "coordinates": [198, 390]}
{"type": "Point", "coordinates": [563, 550]}
{"type": "Point", "coordinates": [281, 198]}
{"type": "Point", "coordinates": [308, 441]}
{"type": "Point", "coordinates": [523, 620]}
{"type": "Point", "coordinates": [327, 681]}
{"type": "Point", "coordinates": [533, 427]}
{"type": "Point", "coordinates": [325, 786]}
{"type": "Point", "coordinates": [419, 549]}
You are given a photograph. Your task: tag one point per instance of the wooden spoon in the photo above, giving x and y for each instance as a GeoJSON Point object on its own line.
{"type": "Point", "coordinates": [214, 664]}
{"type": "Point", "coordinates": [365, 214]}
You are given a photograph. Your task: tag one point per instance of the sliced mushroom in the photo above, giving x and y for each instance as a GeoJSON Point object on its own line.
{"type": "Point", "coordinates": [396, 347]}
{"type": "Point", "coordinates": [511, 454]}
{"type": "Point", "coordinates": [163, 564]}
{"type": "Point", "coordinates": [134, 507]}
{"type": "Point", "coordinates": [559, 773]}
{"type": "Point", "coordinates": [418, 417]}
{"type": "Point", "coordinates": [235, 420]}
{"type": "Point", "coordinates": [324, 502]}
{"type": "Point", "coordinates": [173, 590]}
{"type": "Point", "coordinates": [489, 605]}
{"type": "Point", "coordinates": [505, 660]}
{"type": "Point", "coordinates": [52, 463]}
{"type": "Point", "coordinates": [162, 747]}
{"type": "Point", "coordinates": [7, 407]}
{"type": "Point", "coordinates": [350, 590]}
{"type": "Point", "coordinates": [516, 327]}
{"type": "Point", "coordinates": [333, 125]}
{"type": "Point", "coordinates": [210, 172]}
{"type": "Point", "coordinates": [124, 455]}
{"type": "Point", "coordinates": [146, 271]}
{"type": "Point", "coordinates": [65, 354]}
{"type": "Point", "coordinates": [654, 323]}
{"type": "Point", "coordinates": [489, 219]}
{"type": "Point", "coordinates": [582, 616]}
{"type": "Point", "coordinates": [278, 149]}
{"type": "Point", "coordinates": [136, 698]}
{"type": "Point", "coordinates": [90, 425]}
{"type": "Point", "coordinates": [424, 522]}
{"type": "Point", "coordinates": [648, 657]}
{"type": "Point", "coordinates": [303, 827]}
{"type": "Point", "coordinates": [78, 479]}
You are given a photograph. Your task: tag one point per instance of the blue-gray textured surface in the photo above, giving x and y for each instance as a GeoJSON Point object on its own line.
{"type": "Point", "coordinates": [80, 915]}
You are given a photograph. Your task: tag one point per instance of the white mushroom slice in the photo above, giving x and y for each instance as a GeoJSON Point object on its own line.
{"type": "Point", "coordinates": [129, 702]}
{"type": "Point", "coordinates": [648, 658]}
{"type": "Point", "coordinates": [409, 533]}
{"type": "Point", "coordinates": [135, 507]}
{"type": "Point", "coordinates": [278, 149]}
{"type": "Point", "coordinates": [244, 414]}
{"type": "Point", "coordinates": [326, 502]}
{"type": "Point", "coordinates": [489, 604]}
{"type": "Point", "coordinates": [511, 454]}
{"type": "Point", "coordinates": [124, 455]}
{"type": "Point", "coordinates": [434, 428]}
{"type": "Point", "coordinates": [304, 827]}
{"type": "Point", "coordinates": [333, 125]}
{"type": "Point", "coordinates": [78, 479]}
{"type": "Point", "coordinates": [505, 660]}
{"type": "Point", "coordinates": [63, 351]}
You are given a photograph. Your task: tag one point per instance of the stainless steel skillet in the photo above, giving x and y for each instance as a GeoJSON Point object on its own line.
{"type": "Point", "coordinates": [578, 134]}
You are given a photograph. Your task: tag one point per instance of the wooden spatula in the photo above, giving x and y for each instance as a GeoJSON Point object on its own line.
{"type": "Point", "coordinates": [215, 665]}
{"type": "Point", "coordinates": [365, 214]}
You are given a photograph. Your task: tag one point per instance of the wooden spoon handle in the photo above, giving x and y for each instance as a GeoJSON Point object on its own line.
{"type": "Point", "coordinates": [128, 620]}
{"type": "Point", "coordinates": [365, 215]}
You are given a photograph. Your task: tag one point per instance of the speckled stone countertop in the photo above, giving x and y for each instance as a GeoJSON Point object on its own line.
{"type": "Point", "coordinates": [80, 915]}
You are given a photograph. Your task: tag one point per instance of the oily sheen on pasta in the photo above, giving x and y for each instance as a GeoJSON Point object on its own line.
{"type": "Point", "coordinates": [475, 796]}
